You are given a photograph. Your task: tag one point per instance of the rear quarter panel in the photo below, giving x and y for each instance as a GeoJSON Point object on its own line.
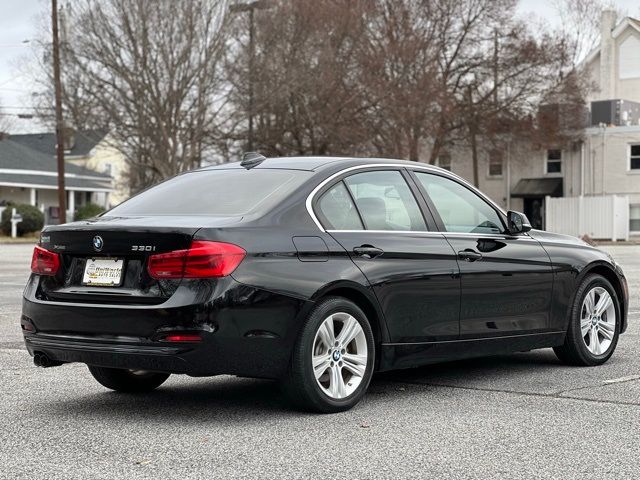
{"type": "Point", "coordinates": [274, 264]}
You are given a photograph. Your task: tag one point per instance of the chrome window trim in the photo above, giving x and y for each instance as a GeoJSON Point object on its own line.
{"type": "Point", "coordinates": [438, 234]}
{"type": "Point", "coordinates": [427, 168]}
{"type": "Point", "coordinates": [484, 235]}
{"type": "Point", "coordinates": [420, 232]}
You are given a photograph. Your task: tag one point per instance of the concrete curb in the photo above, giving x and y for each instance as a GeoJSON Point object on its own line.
{"type": "Point", "coordinates": [18, 241]}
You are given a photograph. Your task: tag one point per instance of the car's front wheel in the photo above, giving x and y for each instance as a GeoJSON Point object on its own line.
{"type": "Point", "coordinates": [128, 381]}
{"type": "Point", "coordinates": [594, 324]}
{"type": "Point", "coordinates": [333, 358]}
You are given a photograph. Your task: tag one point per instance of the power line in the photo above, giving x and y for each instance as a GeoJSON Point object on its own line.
{"type": "Point", "coordinates": [5, 107]}
{"type": "Point", "coordinates": [12, 79]}
{"type": "Point", "coordinates": [15, 89]}
{"type": "Point", "coordinates": [19, 115]}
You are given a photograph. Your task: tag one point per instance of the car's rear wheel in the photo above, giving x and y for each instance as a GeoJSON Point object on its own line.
{"type": "Point", "coordinates": [128, 381]}
{"type": "Point", "coordinates": [594, 324]}
{"type": "Point", "coordinates": [333, 358]}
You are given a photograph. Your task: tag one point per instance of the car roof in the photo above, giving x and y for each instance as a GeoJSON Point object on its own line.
{"type": "Point", "coordinates": [317, 163]}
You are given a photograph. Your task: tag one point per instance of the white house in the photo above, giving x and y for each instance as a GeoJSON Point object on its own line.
{"type": "Point", "coordinates": [28, 176]}
{"type": "Point", "coordinates": [91, 149]}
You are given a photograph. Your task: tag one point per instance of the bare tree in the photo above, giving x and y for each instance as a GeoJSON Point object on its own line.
{"type": "Point", "coordinates": [398, 60]}
{"type": "Point", "coordinates": [403, 78]}
{"type": "Point", "coordinates": [519, 73]}
{"type": "Point", "coordinates": [466, 27]}
{"type": "Point", "coordinates": [6, 124]}
{"type": "Point", "coordinates": [307, 95]}
{"type": "Point", "coordinates": [149, 71]}
{"type": "Point", "coordinates": [345, 77]}
{"type": "Point", "coordinates": [579, 30]}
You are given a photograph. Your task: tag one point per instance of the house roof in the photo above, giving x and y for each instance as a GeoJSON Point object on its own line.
{"type": "Point", "coordinates": [45, 143]}
{"type": "Point", "coordinates": [621, 27]}
{"type": "Point", "coordinates": [15, 156]}
{"type": "Point", "coordinates": [537, 187]}
{"type": "Point", "coordinates": [24, 167]}
{"type": "Point", "coordinates": [51, 182]}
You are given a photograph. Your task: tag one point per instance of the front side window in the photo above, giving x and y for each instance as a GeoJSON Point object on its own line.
{"type": "Point", "coordinates": [554, 160]}
{"type": "Point", "coordinates": [337, 211]}
{"type": "Point", "coordinates": [634, 160]}
{"type": "Point", "coordinates": [460, 209]}
{"type": "Point", "coordinates": [385, 201]}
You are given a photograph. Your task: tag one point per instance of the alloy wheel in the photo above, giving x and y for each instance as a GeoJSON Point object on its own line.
{"type": "Point", "coordinates": [339, 355]}
{"type": "Point", "coordinates": [598, 321]}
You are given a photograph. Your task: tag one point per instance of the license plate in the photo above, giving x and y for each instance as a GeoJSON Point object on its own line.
{"type": "Point", "coordinates": [104, 272]}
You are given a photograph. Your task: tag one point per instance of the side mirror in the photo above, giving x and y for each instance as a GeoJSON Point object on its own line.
{"type": "Point", "coordinates": [517, 222]}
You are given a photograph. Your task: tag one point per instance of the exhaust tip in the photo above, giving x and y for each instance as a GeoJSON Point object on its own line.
{"type": "Point", "coordinates": [42, 360]}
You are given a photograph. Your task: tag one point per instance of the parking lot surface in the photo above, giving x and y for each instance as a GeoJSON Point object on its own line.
{"type": "Point", "coordinates": [515, 416]}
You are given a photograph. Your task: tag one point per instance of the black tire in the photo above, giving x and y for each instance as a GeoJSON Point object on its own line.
{"type": "Point", "coordinates": [300, 384]}
{"type": "Point", "coordinates": [128, 381]}
{"type": "Point", "coordinates": [574, 351]}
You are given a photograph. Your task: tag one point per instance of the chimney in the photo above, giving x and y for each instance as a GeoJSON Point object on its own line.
{"type": "Point", "coordinates": [607, 56]}
{"type": "Point", "coordinates": [69, 138]}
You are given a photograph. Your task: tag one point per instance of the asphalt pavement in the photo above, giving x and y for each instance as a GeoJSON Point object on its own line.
{"type": "Point", "coordinates": [515, 416]}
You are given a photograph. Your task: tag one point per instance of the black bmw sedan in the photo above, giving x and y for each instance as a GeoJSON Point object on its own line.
{"type": "Point", "coordinates": [316, 272]}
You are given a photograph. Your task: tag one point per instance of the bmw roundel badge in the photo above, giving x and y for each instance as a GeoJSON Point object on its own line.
{"type": "Point", "coordinates": [98, 243]}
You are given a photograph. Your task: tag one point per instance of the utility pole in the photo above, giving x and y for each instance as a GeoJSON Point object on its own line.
{"type": "Point", "coordinates": [252, 53]}
{"type": "Point", "coordinates": [250, 7]}
{"type": "Point", "coordinates": [62, 198]}
{"type": "Point", "coordinates": [496, 46]}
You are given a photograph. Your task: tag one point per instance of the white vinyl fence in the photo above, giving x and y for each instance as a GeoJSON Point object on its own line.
{"type": "Point", "coordinates": [601, 217]}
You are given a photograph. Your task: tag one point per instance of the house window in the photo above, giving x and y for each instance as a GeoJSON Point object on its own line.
{"type": "Point", "coordinates": [444, 161]}
{"type": "Point", "coordinates": [634, 218]}
{"type": "Point", "coordinates": [629, 63]}
{"type": "Point", "coordinates": [634, 158]}
{"type": "Point", "coordinates": [495, 163]}
{"type": "Point", "coordinates": [554, 161]}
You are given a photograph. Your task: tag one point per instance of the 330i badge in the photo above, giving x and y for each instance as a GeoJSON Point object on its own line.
{"type": "Point", "coordinates": [314, 271]}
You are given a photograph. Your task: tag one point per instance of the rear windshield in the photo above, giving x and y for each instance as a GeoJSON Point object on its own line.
{"type": "Point", "coordinates": [215, 192]}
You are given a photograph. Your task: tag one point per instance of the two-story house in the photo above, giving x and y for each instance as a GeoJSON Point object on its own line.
{"type": "Point", "coordinates": [604, 161]}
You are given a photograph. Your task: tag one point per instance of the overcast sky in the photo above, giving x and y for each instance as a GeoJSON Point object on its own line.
{"type": "Point", "coordinates": [18, 23]}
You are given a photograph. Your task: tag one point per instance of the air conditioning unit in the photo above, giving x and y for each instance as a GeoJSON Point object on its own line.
{"type": "Point", "coordinates": [618, 113]}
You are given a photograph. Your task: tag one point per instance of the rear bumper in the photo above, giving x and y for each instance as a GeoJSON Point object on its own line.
{"type": "Point", "coordinates": [245, 331]}
{"type": "Point", "coordinates": [262, 358]}
{"type": "Point", "coordinates": [67, 349]}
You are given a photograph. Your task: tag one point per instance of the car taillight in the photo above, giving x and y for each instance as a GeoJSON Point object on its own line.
{"type": "Point", "coordinates": [202, 260]}
{"type": "Point", "coordinates": [44, 262]}
{"type": "Point", "coordinates": [182, 338]}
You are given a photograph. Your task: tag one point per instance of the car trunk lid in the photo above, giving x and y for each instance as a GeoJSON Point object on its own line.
{"type": "Point", "coordinates": [123, 245]}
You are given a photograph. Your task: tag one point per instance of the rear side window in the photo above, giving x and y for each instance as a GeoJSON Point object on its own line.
{"type": "Point", "coordinates": [385, 201]}
{"type": "Point", "coordinates": [337, 211]}
{"type": "Point", "coordinates": [215, 192]}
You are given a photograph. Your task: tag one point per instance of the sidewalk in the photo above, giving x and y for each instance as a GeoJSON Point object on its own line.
{"type": "Point", "coordinates": [4, 240]}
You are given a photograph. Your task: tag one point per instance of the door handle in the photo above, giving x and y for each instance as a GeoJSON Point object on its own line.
{"type": "Point", "coordinates": [368, 251]}
{"type": "Point", "coordinates": [469, 255]}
